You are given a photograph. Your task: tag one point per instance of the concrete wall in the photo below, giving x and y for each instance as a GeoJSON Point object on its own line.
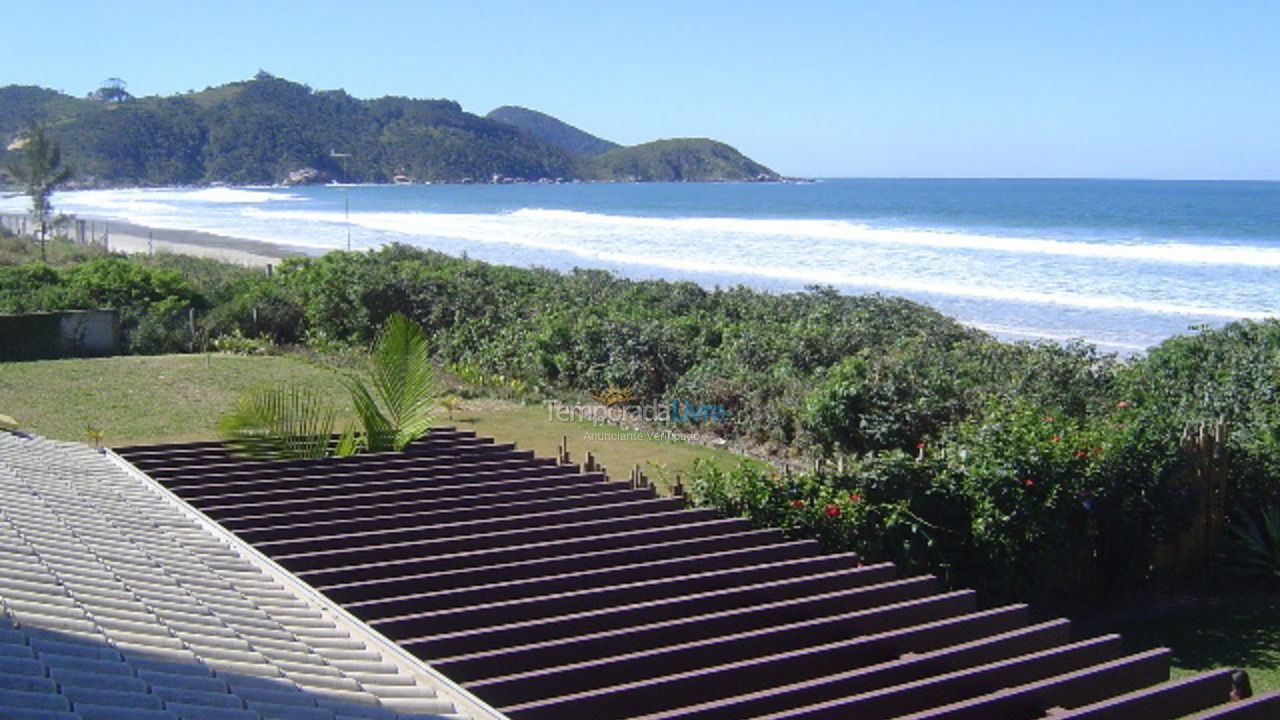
{"type": "Point", "coordinates": [69, 333]}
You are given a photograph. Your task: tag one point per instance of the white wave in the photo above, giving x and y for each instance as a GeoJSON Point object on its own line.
{"type": "Point", "coordinates": [165, 200]}
{"type": "Point", "coordinates": [239, 195]}
{"type": "Point", "coordinates": [1185, 253]}
{"type": "Point", "coordinates": [1060, 337]}
{"type": "Point", "coordinates": [675, 251]}
{"type": "Point", "coordinates": [115, 203]}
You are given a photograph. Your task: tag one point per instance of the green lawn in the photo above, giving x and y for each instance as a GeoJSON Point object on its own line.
{"type": "Point", "coordinates": [181, 397]}
{"type": "Point", "coordinates": [141, 399]}
{"type": "Point", "coordinates": [615, 448]}
{"type": "Point", "coordinates": [1241, 631]}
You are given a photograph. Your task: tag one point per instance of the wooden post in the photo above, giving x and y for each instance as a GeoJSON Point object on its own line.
{"type": "Point", "coordinates": [562, 453]}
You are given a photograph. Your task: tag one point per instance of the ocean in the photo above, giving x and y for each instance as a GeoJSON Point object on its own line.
{"type": "Point", "coordinates": [1122, 264]}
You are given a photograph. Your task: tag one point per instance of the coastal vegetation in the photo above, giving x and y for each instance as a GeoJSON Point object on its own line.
{"type": "Point", "coordinates": [939, 483]}
{"type": "Point", "coordinates": [1034, 471]}
{"type": "Point", "coordinates": [270, 130]}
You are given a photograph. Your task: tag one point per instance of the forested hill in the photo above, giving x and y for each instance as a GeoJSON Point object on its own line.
{"type": "Point", "coordinates": [552, 130]}
{"type": "Point", "coordinates": [270, 130]}
{"type": "Point", "coordinates": [678, 160]}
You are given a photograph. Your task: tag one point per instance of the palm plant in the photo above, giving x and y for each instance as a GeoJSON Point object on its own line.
{"type": "Point", "coordinates": [284, 423]}
{"type": "Point", "coordinates": [396, 400]}
{"type": "Point", "coordinates": [1256, 540]}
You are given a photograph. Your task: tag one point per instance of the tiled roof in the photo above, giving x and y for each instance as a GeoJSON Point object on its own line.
{"type": "Point", "coordinates": [554, 595]}
{"type": "Point", "coordinates": [121, 603]}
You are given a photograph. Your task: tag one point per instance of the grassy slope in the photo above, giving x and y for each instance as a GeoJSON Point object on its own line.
{"type": "Point", "coordinates": [180, 397]}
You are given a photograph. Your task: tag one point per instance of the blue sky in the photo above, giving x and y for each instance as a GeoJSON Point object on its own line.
{"type": "Point", "coordinates": [1160, 89]}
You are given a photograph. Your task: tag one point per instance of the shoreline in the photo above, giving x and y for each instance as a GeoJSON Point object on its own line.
{"type": "Point", "coordinates": [131, 239]}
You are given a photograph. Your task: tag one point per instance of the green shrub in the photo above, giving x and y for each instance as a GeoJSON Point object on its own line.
{"type": "Point", "coordinates": [1020, 501]}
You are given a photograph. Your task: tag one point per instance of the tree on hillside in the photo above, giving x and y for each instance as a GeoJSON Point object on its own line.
{"type": "Point", "coordinates": [112, 91]}
{"type": "Point", "coordinates": [39, 170]}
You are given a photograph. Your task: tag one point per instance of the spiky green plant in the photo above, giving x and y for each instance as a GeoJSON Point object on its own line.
{"type": "Point", "coordinates": [1256, 545]}
{"type": "Point", "coordinates": [282, 423]}
{"type": "Point", "coordinates": [396, 400]}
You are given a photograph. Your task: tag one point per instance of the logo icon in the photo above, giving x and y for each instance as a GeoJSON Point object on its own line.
{"type": "Point", "coordinates": [614, 395]}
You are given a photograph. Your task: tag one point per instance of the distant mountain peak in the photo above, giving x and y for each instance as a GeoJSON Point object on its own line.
{"type": "Point", "coordinates": [552, 130]}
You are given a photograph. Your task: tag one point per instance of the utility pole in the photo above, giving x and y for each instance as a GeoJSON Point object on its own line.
{"type": "Point", "coordinates": [346, 197]}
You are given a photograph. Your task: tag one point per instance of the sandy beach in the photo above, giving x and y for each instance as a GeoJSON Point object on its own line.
{"type": "Point", "coordinates": [129, 238]}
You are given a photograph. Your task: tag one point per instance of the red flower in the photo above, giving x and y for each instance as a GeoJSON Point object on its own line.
{"type": "Point", "coordinates": [797, 503]}
{"type": "Point", "coordinates": [1122, 404]}
{"type": "Point", "coordinates": [1029, 482]}
{"type": "Point", "coordinates": [855, 497]}
{"type": "Point", "coordinates": [1056, 438]}
{"type": "Point", "coordinates": [832, 511]}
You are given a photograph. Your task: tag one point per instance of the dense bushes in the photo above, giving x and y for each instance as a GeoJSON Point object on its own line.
{"type": "Point", "coordinates": [154, 303]}
{"type": "Point", "coordinates": [1022, 502]}
{"type": "Point", "coordinates": [1041, 472]}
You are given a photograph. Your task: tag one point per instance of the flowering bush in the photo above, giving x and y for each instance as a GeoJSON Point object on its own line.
{"type": "Point", "coordinates": [1023, 502]}
{"type": "Point", "coordinates": [889, 511]}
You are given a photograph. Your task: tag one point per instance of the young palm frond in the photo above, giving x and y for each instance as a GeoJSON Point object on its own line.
{"type": "Point", "coordinates": [285, 423]}
{"type": "Point", "coordinates": [396, 401]}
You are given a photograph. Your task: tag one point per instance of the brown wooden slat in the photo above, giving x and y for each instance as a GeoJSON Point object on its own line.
{"type": "Point", "coordinates": [264, 536]}
{"type": "Point", "coordinates": [705, 573]}
{"type": "Point", "coordinates": [980, 644]}
{"type": "Point", "coordinates": [533, 551]}
{"type": "Point", "coordinates": [456, 471]}
{"type": "Point", "coordinates": [1167, 701]}
{"type": "Point", "coordinates": [351, 504]}
{"type": "Point", "coordinates": [1080, 687]}
{"type": "Point", "coordinates": [670, 692]}
{"type": "Point", "coordinates": [767, 542]}
{"type": "Point", "coordinates": [401, 504]}
{"type": "Point", "coordinates": [1260, 707]}
{"type": "Point", "coordinates": [364, 548]}
{"type": "Point", "coordinates": [315, 539]}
